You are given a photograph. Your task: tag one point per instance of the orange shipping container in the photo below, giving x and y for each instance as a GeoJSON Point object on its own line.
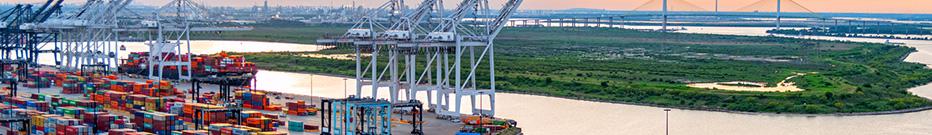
{"type": "Point", "coordinates": [137, 87]}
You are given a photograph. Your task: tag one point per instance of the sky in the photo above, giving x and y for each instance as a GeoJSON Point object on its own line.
{"type": "Point", "coordinates": [858, 6]}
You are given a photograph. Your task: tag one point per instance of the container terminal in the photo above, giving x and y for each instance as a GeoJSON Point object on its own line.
{"type": "Point", "coordinates": [90, 89]}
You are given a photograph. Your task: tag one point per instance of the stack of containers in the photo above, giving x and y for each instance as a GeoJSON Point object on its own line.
{"type": "Point", "coordinates": [71, 84]}
{"type": "Point", "coordinates": [272, 133]}
{"type": "Point", "coordinates": [220, 63]}
{"type": "Point", "coordinates": [311, 128]}
{"type": "Point", "coordinates": [216, 129]}
{"type": "Point", "coordinates": [39, 79]}
{"type": "Point", "coordinates": [117, 100]}
{"type": "Point", "coordinates": [51, 123]}
{"type": "Point", "coordinates": [87, 104]}
{"type": "Point", "coordinates": [64, 124]}
{"type": "Point", "coordinates": [121, 132]}
{"type": "Point", "coordinates": [253, 100]}
{"type": "Point", "coordinates": [121, 123]}
{"type": "Point", "coordinates": [68, 102]}
{"type": "Point", "coordinates": [138, 86]}
{"type": "Point", "coordinates": [42, 106]}
{"type": "Point", "coordinates": [207, 98]}
{"type": "Point", "coordinates": [36, 103]}
{"type": "Point", "coordinates": [251, 114]}
{"type": "Point", "coordinates": [265, 124]}
{"type": "Point", "coordinates": [55, 101]}
{"type": "Point", "coordinates": [70, 87]}
{"type": "Point", "coordinates": [70, 111]}
{"type": "Point", "coordinates": [18, 102]}
{"type": "Point", "coordinates": [154, 103]}
{"type": "Point", "coordinates": [41, 83]}
{"type": "Point", "coordinates": [157, 89]}
{"type": "Point", "coordinates": [90, 87]}
{"type": "Point", "coordinates": [103, 120]}
{"type": "Point", "coordinates": [244, 130]}
{"type": "Point", "coordinates": [296, 126]}
{"type": "Point", "coordinates": [13, 113]}
{"type": "Point", "coordinates": [44, 123]}
{"type": "Point", "coordinates": [138, 101]}
{"type": "Point", "coordinates": [75, 130]}
{"type": "Point", "coordinates": [121, 85]}
{"type": "Point", "coordinates": [155, 122]}
{"type": "Point", "coordinates": [101, 97]}
{"type": "Point", "coordinates": [193, 132]}
{"type": "Point", "coordinates": [299, 108]}
{"type": "Point", "coordinates": [188, 111]}
{"type": "Point", "coordinates": [176, 108]}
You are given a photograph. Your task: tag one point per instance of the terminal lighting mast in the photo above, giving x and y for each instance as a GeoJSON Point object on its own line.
{"type": "Point", "coordinates": [664, 27]}
{"type": "Point", "coordinates": [778, 13]}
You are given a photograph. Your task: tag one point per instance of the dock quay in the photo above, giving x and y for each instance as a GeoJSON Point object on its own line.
{"type": "Point", "coordinates": [52, 96]}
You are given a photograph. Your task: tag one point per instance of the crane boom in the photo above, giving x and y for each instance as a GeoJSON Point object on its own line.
{"type": "Point", "coordinates": [504, 15]}
{"type": "Point", "coordinates": [48, 13]}
{"type": "Point", "coordinates": [458, 14]}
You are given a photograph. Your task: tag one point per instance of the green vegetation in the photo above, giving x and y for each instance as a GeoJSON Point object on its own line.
{"type": "Point", "coordinates": [868, 31]}
{"type": "Point", "coordinates": [653, 68]}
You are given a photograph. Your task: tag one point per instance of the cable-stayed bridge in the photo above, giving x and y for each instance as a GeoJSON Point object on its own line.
{"type": "Point", "coordinates": [762, 13]}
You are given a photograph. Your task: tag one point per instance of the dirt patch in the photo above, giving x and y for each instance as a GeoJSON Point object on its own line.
{"type": "Point", "coordinates": [782, 86]}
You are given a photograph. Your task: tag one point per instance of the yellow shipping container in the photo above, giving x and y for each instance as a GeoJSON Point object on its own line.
{"type": "Point", "coordinates": [38, 120]}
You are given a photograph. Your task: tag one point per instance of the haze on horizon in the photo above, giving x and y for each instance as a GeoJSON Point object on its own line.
{"type": "Point", "coordinates": [849, 6]}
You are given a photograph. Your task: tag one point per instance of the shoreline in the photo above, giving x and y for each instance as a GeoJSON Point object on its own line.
{"type": "Point", "coordinates": [868, 37]}
{"type": "Point", "coordinates": [900, 111]}
{"type": "Point", "coordinates": [854, 114]}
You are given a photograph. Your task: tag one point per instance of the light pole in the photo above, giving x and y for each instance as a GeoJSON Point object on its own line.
{"type": "Point", "coordinates": [667, 128]}
{"type": "Point", "coordinates": [344, 88]}
{"type": "Point", "coordinates": [664, 27]}
{"type": "Point", "coordinates": [778, 14]}
{"type": "Point", "coordinates": [716, 7]}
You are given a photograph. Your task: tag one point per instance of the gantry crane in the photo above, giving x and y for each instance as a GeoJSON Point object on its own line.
{"type": "Point", "coordinates": [19, 40]}
{"type": "Point", "coordinates": [172, 26]}
{"type": "Point", "coordinates": [454, 34]}
{"type": "Point", "coordinates": [410, 27]}
{"type": "Point", "coordinates": [465, 36]}
{"type": "Point", "coordinates": [365, 35]}
{"type": "Point", "coordinates": [86, 37]}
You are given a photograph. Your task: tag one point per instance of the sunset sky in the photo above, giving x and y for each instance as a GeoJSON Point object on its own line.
{"type": "Point", "coordinates": [867, 6]}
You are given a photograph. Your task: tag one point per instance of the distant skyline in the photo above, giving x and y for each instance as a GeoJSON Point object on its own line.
{"type": "Point", "coordinates": [851, 6]}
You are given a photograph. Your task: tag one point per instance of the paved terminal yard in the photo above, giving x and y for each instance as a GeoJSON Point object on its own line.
{"type": "Point", "coordinates": [432, 125]}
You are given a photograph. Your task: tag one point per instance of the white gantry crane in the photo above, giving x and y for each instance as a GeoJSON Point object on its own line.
{"type": "Point", "coordinates": [371, 34]}
{"type": "Point", "coordinates": [366, 35]}
{"type": "Point", "coordinates": [172, 44]}
{"type": "Point", "coordinates": [87, 36]}
{"type": "Point", "coordinates": [472, 25]}
{"type": "Point", "coordinates": [20, 41]}
{"type": "Point", "coordinates": [173, 25]}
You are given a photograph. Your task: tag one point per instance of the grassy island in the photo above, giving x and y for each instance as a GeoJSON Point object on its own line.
{"type": "Point", "coordinates": [654, 68]}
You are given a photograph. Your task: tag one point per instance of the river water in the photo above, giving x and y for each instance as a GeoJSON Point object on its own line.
{"type": "Point", "coordinates": [539, 115]}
